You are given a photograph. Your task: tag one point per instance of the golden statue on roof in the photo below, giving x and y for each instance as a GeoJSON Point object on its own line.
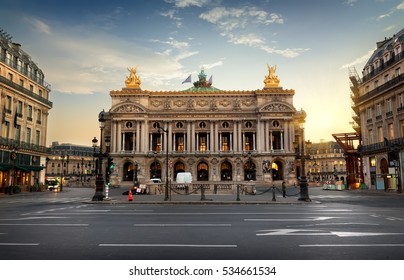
{"type": "Point", "coordinates": [133, 80]}
{"type": "Point", "coordinates": [271, 80]}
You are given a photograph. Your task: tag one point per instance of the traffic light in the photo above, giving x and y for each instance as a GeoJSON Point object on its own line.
{"type": "Point", "coordinates": [110, 165]}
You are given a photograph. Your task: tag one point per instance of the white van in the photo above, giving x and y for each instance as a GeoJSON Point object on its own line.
{"type": "Point", "coordinates": [184, 177]}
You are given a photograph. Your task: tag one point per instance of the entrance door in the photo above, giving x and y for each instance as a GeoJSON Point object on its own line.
{"type": "Point", "coordinates": [203, 172]}
{"type": "Point", "coordinates": [277, 170]}
{"type": "Point", "coordinates": [226, 171]}
{"type": "Point", "coordinates": [384, 170]}
{"type": "Point", "coordinates": [128, 171]}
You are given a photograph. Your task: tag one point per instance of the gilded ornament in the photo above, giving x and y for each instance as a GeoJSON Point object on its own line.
{"type": "Point", "coordinates": [272, 79]}
{"type": "Point", "coordinates": [133, 81]}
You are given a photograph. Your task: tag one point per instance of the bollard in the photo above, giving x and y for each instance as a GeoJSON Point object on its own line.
{"type": "Point", "coordinates": [273, 193]}
{"type": "Point", "coordinates": [202, 193]}
{"type": "Point", "coordinates": [238, 193]}
{"type": "Point", "coordinates": [107, 191]}
{"type": "Point", "coordinates": [284, 189]}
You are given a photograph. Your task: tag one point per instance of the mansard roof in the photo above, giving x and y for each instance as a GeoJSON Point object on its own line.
{"type": "Point", "coordinates": [386, 45]}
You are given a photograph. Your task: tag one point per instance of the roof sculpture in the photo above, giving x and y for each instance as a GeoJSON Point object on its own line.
{"type": "Point", "coordinates": [272, 79]}
{"type": "Point", "coordinates": [204, 85]}
{"type": "Point", "coordinates": [133, 81]}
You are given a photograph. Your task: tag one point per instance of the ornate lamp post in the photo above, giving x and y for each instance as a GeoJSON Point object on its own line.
{"type": "Point", "coordinates": [155, 165]}
{"type": "Point", "coordinates": [99, 181]}
{"type": "Point", "coordinates": [13, 157]}
{"type": "Point", "coordinates": [300, 146]}
{"type": "Point", "coordinates": [62, 158]}
{"type": "Point", "coordinates": [166, 139]}
{"type": "Point", "coordinates": [136, 170]}
{"type": "Point", "coordinates": [82, 169]}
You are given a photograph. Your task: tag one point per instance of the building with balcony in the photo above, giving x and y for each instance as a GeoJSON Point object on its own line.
{"type": "Point", "coordinates": [68, 160]}
{"type": "Point", "coordinates": [217, 135]}
{"type": "Point", "coordinates": [378, 99]}
{"type": "Point", "coordinates": [327, 162]}
{"type": "Point", "coordinates": [24, 106]}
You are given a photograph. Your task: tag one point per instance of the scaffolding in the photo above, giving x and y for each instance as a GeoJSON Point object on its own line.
{"type": "Point", "coordinates": [349, 142]}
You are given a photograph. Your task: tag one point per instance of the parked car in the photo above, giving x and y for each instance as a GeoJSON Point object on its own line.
{"type": "Point", "coordinates": [52, 183]}
{"type": "Point", "coordinates": [155, 180]}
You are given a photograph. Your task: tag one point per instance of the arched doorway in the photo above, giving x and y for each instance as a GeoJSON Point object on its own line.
{"type": "Point", "coordinates": [277, 170]}
{"type": "Point", "coordinates": [178, 167]}
{"type": "Point", "coordinates": [384, 170]}
{"type": "Point", "coordinates": [226, 171]}
{"type": "Point", "coordinates": [155, 170]}
{"type": "Point", "coordinates": [249, 170]}
{"type": "Point", "coordinates": [202, 171]}
{"type": "Point", "coordinates": [128, 171]}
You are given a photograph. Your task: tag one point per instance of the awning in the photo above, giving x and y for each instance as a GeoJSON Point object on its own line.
{"type": "Point", "coordinates": [5, 167]}
{"type": "Point", "coordinates": [26, 168]}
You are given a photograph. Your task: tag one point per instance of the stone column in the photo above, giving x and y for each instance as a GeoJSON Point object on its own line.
{"type": "Point", "coordinates": [188, 137]}
{"type": "Point", "coordinates": [138, 136]}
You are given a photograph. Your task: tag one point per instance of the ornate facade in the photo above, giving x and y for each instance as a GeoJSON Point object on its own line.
{"type": "Point", "coordinates": [74, 161]}
{"type": "Point", "coordinates": [216, 135]}
{"type": "Point", "coordinates": [24, 105]}
{"type": "Point", "coordinates": [378, 99]}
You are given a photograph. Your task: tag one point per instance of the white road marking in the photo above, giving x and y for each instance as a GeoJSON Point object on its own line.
{"type": "Point", "coordinates": [353, 245]}
{"type": "Point", "coordinates": [48, 225]}
{"type": "Point", "coordinates": [33, 218]}
{"type": "Point", "coordinates": [360, 234]}
{"type": "Point", "coordinates": [338, 224]}
{"type": "Point", "coordinates": [182, 225]}
{"type": "Point", "coordinates": [333, 210]}
{"type": "Point", "coordinates": [290, 220]}
{"type": "Point", "coordinates": [19, 244]}
{"type": "Point", "coordinates": [286, 232]}
{"type": "Point", "coordinates": [170, 245]}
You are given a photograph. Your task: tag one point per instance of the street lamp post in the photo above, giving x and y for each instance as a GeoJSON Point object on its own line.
{"type": "Point", "coordinates": [304, 190]}
{"type": "Point", "coordinates": [249, 172]}
{"type": "Point", "coordinates": [155, 165]}
{"type": "Point", "coordinates": [166, 139]}
{"type": "Point", "coordinates": [82, 170]}
{"type": "Point", "coordinates": [62, 157]}
{"type": "Point", "coordinates": [136, 169]}
{"type": "Point", "coordinates": [13, 157]}
{"type": "Point", "coordinates": [99, 180]}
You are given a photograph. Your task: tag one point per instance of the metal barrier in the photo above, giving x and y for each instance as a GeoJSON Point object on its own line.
{"type": "Point", "coordinates": [215, 188]}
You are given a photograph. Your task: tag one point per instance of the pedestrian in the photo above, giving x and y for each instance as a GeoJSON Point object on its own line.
{"type": "Point", "coordinates": [284, 189]}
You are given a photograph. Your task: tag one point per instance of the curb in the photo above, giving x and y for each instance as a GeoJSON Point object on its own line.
{"type": "Point", "coordinates": [202, 202]}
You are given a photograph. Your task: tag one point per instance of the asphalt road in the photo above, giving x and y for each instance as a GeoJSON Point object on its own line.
{"type": "Point", "coordinates": [337, 225]}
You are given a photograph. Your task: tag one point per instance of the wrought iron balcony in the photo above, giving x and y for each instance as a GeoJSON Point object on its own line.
{"type": "Point", "coordinates": [385, 146]}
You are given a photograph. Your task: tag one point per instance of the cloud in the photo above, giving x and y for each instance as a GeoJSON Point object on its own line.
{"type": "Point", "coordinates": [211, 65]}
{"type": "Point", "coordinates": [350, 2]}
{"type": "Point", "coordinates": [188, 3]}
{"type": "Point", "coordinates": [171, 15]}
{"type": "Point", "coordinates": [233, 24]}
{"type": "Point", "coordinates": [384, 16]}
{"type": "Point", "coordinates": [359, 60]}
{"type": "Point", "coordinates": [39, 25]}
{"type": "Point", "coordinates": [400, 6]}
{"type": "Point", "coordinates": [179, 50]}
{"type": "Point", "coordinates": [95, 61]}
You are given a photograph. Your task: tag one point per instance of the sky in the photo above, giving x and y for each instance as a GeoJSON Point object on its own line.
{"type": "Point", "coordinates": [84, 49]}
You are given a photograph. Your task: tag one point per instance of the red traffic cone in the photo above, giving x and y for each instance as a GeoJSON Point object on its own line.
{"type": "Point", "coordinates": [130, 196]}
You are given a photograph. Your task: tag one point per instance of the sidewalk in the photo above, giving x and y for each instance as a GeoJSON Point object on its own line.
{"type": "Point", "coordinates": [266, 196]}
